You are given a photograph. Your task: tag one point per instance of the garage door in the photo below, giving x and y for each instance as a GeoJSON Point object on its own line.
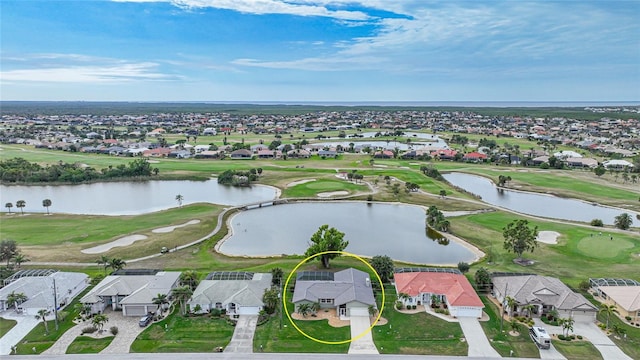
{"type": "Point", "coordinates": [579, 316]}
{"type": "Point", "coordinates": [468, 312]}
{"type": "Point", "coordinates": [134, 310]}
{"type": "Point", "coordinates": [358, 311]}
{"type": "Point", "coordinates": [249, 310]}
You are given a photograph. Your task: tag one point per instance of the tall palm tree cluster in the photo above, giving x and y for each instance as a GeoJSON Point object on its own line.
{"type": "Point", "coordinates": [436, 219]}
{"type": "Point", "coordinates": [21, 204]}
{"type": "Point", "coordinates": [114, 263]}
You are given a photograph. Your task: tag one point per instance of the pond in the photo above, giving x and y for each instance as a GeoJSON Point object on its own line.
{"type": "Point", "coordinates": [130, 198]}
{"type": "Point", "coordinates": [534, 204]}
{"type": "Point", "coordinates": [377, 229]}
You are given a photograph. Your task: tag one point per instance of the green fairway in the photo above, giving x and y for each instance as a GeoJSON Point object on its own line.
{"type": "Point", "coordinates": [313, 188]}
{"type": "Point", "coordinates": [577, 350]}
{"type": "Point", "coordinates": [89, 345]}
{"type": "Point", "coordinates": [6, 325]}
{"type": "Point", "coordinates": [602, 246]}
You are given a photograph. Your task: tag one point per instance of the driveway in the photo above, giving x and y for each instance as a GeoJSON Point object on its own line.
{"type": "Point", "coordinates": [479, 345]}
{"type": "Point", "coordinates": [24, 325]}
{"type": "Point", "coordinates": [242, 340]}
{"type": "Point", "coordinates": [363, 345]}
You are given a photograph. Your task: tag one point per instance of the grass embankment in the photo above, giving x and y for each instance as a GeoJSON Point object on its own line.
{"type": "Point", "coordinates": [184, 334]}
{"type": "Point", "coordinates": [89, 345]}
{"type": "Point", "coordinates": [503, 342]}
{"type": "Point", "coordinates": [566, 260]}
{"type": "Point", "coordinates": [419, 333]}
{"type": "Point", "coordinates": [577, 350]}
{"type": "Point", "coordinates": [6, 325]}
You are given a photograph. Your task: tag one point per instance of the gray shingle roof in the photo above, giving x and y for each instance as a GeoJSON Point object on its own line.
{"type": "Point", "coordinates": [348, 285]}
{"type": "Point", "coordinates": [240, 292]}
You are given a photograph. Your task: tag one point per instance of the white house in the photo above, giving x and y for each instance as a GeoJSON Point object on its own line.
{"type": "Point", "coordinates": [38, 286]}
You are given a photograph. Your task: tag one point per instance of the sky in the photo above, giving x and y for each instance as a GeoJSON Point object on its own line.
{"type": "Point", "coordinates": [319, 50]}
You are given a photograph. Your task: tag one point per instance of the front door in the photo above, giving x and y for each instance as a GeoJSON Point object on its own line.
{"type": "Point", "coordinates": [343, 310]}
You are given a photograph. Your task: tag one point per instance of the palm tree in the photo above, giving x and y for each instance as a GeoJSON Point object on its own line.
{"type": "Point", "coordinates": [8, 206]}
{"type": "Point", "coordinates": [19, 259]}
{"type": "Point", "coordinates": [42, 314]}
{"type": "Point", "coordinates": [567, 325]}
{"type": "Point", "coordinates": [511, 302]}
{"type": "Point", "coordinates": [21, 204]}
{"type": "Point", "coordinates": [315, 307]}
{"type": "Point", "coordinates": [179, 199]}
{"type": "Point", "coordinates": [303, 309]}
{"type": "Point", "coordinates": [160, 300]}
{"type": "Point", "coordinates": [15, 299]}
{"type": "Point", "coordinates": [190, 278]}
{"type": "Point", "coordinates": [403, 297]}
{"type": "Point", "coordinates": [529, 309]}
{"type": "Point", "coordinates": [117, 264]}
{"type": "Point", "coordinates": [46, 203]}
{"type": "Point", "coordinates": [609, 310]}
{"type": "Point", "coordinates": [104, 261]}
{"type": "Point", "coordinates": [99, 320]}
{"type": "Point", "coordinates": [182, 293]}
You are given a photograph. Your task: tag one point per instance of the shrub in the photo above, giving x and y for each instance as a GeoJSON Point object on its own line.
{"type": "Point", "coordinates": [584, 285]}
{"type": "Point", "coordinates": [628, 318]}
{"type": "Point", "coordinates": [216, 312]}
{"type": "Point", "coordinates": [399, 305]}
{"type": "Point", "coordinates": [597, 222]}
{"type": "Point", "coordinates": [561, 337]}
{"type": "Point", "coordinates": [602, 326]}
{"type": "Point", "coordinates": [463, 267]}
{"type": "Point", "coordinates": [89, 329]}
{"type": "Point", "coordinates": [114, 330]}
{"type": "Point", "coordinates": [579, 337]}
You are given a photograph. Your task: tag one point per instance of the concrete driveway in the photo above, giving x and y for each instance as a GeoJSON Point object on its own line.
{"type": "Point", "coordinates": [24, 325]}
{"type": "Point", "coordinates": [363, 345]}
{"type": "Point", "coordinates": [479, 345]}
{"type": "Point", "coordinates": [242, 340]}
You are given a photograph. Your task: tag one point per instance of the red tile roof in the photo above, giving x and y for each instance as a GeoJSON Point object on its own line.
{"type": "Point", "coordinates": [455, 287]}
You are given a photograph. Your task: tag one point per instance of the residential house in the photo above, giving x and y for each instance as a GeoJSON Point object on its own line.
{"type": "Point", "coordinates": [298, 153]}
{"type": "Point", "coordinates": [131, 291]}
{"type": "Point", "coordinates": [475, 157]}
{"type": "Point", "coordinates": [582, 162]}
{"type": "Point", "coordinates": [241, 154]}
{"type": "Point", "coordinates": [545, 293]}
{"type": "Point", "coordinates": [424, 286]}
{"type": "Point", "coordinates": [327, 154]}
{"type": "Point", "coordinates": [38, 286]}
{"type": "Point", "coordinates": [236, 293]}
{"type": "Point", "coordinates": [618, 165]}
{"type": "Point", "coordinates": [348, 291]}
{"type": "Point", "coordinates": [384, 154]}
{"type": "Point", "coordinates": [623, 293]}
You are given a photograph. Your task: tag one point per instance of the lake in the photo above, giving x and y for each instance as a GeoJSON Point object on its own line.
{"type": "Point", "coordinates": [130, 198]}
{"type": "Point", "coordinates": [377, 229]}
{"type": "Point", "coordinates": [534, 204]}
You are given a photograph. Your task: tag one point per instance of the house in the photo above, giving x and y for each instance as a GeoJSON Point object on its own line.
{"type": "Point", "coordinates": [38, 286]}
{"type": "Point", "coordinates": [475, 157]}
{"type": "Point", "coordinates": [545, 293]}
{"type": "Point", "coordinates": [617, 165]}
{"type": "Point", "coordinates": [180, 154]}
{"type": "Point", "coordinates": [444, 154]}
{"type": "Point", "coordinates": [241, 154]}
{"type": "Point", "coordinates": [384, 154]}
{"type": "Point", "coordinates": [131, 291]}
{"type": "Point", "coordinates": [348, 291]}
{"type": "Point", "coordinates": [298, 153]}
{"type": "Point", "coordinates": [328, 154]}
{"type": "Point", "coordinates": [269, 154]}
{"type": "Point", "coordinates": [237, 293]}
{"type": "Point", "coordinates": [447, 286]}
{"type": "Point", "coordinates": [623, 293]}
{"type": "Point", "coordinates": [582, 162]}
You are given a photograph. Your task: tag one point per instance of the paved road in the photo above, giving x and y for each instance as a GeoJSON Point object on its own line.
{"type": "Point", "coordinates": [242, 339]}
{"type": "Point", "coordinates": [476, 339]}
{"type": "Point", "coordinates": [25, 323]}
{"type": "Point", "coordinates": [363, 345]}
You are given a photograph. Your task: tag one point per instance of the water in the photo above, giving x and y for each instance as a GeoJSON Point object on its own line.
{"type": "Point", "coordinates": [377, 229]}
{"type": "Point", "coordinates": [130, 198]}
{"type": "Point", "coordinates": [534, 204]}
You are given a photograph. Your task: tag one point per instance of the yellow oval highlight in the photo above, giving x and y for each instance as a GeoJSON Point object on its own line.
{"type": "Point", "coordinates": [286, 286]}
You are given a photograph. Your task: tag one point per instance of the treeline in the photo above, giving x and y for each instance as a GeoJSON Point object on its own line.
{"type": "Point", "coordinates": [239, 178]}
{"type": "Point", "coordinates": [19, 170]}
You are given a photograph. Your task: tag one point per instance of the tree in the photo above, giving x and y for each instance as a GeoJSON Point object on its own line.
{"type": "Point", "coordinates": [326, 239]}
{"type": "Point", "coordinates": [104, 261]}
{"type": "Point", "coordinates": [304, 309]}
{"type": "Point", "coordinates": [315, 307]}
{"type": "Point", "coordinates": [42, 314]}
{"type": "Point", "coordinates": [519, 237]}
{"type": "Point", "coordinates": [8, 206]}
{"type": "Point", "coordinates": [46, 203]}
{"type": "Point", "coordinates": [276, 276]}
{"type": "Point", "coordinates": [528, 309]}
{"type": "Point", "coordinates": [510, 303]}
{"type": "Point", "coordinates": [623, 221]}
{"type": "Point", "coordinates": [160, 300]}
{"type": "Point", "coordinates": [19, 259]}
{"type": "Point", "coordinates": [99, 320]}
{"type": "Point", "coordinates": [8, 249]}
{"type": "Point", "coordinates": [156, 171]}
{"type": "Point", "coordinates": [182, 293]}
{"type": "Point", "coordinates": [271, 298]}
{"type": "Point", "coordinates": [443, 193]}
{"type": "Point", "coordinates": [20, 204]}
{"type": "Point", "coordinates": [608, 310]}
{"type": "Point", "coordinates": [463, 267]}
{"type": "Point", "coordinates": [482, 277]}
{"type": "Point", "coordinates": [15, 299]}
{"type": "Point", "coordinates": [383, 265]}
{"type": "Point", "coordinates": [117, 264]}
{"type": "Point", "coordinates": [567, 325]}
{"type": "Point", "coordinates": [179, 199]}
{"type": "Point", "coordinates": [189, 278]}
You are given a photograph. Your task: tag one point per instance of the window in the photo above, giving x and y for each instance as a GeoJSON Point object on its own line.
{"type": "Point", "coordinates": [325, 301]}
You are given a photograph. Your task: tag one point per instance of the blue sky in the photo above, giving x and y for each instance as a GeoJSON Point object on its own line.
{"type": "Point", "coordinates": [320, 50]}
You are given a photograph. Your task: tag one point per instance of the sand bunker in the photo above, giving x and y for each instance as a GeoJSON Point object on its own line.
{"type": "Point", "coordinates": [169, 229]}
{"type": "Point", "coordinates": [298, 182]}
{"type": "Point", "coordinates": [548, 237]}
{"type": "Point", "coordinates": [123, 241]}
{"type": "Point", "coordinates": [332, 193]}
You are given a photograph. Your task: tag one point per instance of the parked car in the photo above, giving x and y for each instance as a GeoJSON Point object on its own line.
{"type": "Point", "coordinates": [145, 320]}
{"type": "Point", "coordinates": [164, 250]}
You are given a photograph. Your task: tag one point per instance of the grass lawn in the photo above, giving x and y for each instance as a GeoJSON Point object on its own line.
{"type": "Point", "coordinates": [312, 188]}
{"type": "Point", "coordinates": [184, 334]}
{"type": "Point", "coordinates": [577, 350]}
{"type": "Point", "coordinates": [88, 345]}
{"type": "Point", "coordinates": [419, 333]}
{"type": "Point", "coordinates": [522, 345]}
{"type": "Point", "coordinates": [6, 325]}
